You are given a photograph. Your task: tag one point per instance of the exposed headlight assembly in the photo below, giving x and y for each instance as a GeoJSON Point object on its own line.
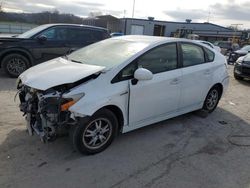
{"type": "Point", "coordinates": [71, 101]}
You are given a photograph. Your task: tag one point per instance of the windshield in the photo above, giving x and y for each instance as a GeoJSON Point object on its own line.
{"type": "Point", "coordinates": [246, 48]}
{"type": "Point", "coordinates": [32, 32]}
{"type": "Point", "coordinates": [107, 53]}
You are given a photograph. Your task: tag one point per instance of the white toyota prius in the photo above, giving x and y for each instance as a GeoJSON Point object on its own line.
{"type": "Point", "coordinates": [118, 85]}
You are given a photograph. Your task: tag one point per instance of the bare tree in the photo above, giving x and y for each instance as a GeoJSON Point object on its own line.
{"type": "Point", "coordinates": [95, 14]}
{"type": "Point", "coordinates": [1, 6]}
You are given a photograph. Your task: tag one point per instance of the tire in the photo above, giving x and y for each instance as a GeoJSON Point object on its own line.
{"type": "Point", "coordinates": [86, 137]}
{"type": "Point", "coordinates": [238, 77]}
{"type": "Point", "coordinates": [212, 99]}
{"type": "Point", "coordinates": [15, 64]}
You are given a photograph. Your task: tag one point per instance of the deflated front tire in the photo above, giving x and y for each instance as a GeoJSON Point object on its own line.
{"type": "Point", "coordinates": [94, 134]}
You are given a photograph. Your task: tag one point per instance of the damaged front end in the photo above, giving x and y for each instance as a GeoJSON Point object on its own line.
{"type": "Point", "coordinates": [46, 112]}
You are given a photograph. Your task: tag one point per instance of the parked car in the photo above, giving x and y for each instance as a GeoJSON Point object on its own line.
{"type": "Point", "coordinates": [242, 67]}
{"type": "Point", "coordinates": [210, 45]}
{"type": "Point", "coordinates": [116, 34]}
{"type": "Point", "coordinates": [43, 43]}
{"type": "Point", "coordinates": [233, 56]}
{"type": "Point", "coordinates": [226, 46]}
{"type": "Point", "coordinates": [118, 85]}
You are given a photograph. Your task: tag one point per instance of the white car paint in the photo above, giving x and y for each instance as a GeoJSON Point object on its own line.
{"type": "Point", "coordinates": [57, 72]}
{"type": "Point", "coordinates": [167, 94]}
{"type": "Point", "coordinates": [209, 44]}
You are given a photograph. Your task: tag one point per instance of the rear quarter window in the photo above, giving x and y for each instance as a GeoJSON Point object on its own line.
{"type": "Point", "coordinates": [209, 55]}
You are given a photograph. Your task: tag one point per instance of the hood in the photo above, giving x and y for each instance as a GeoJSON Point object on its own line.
{"type": "Point", "coordinates": [10, 39]}
{"type": "Point", "coordinates": [241, 52]}
{"type": "Point", "coordinates": [57, 72]}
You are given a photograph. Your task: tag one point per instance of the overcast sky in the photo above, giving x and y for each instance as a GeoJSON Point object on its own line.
{"type": "Point", "coordinates": [223, 12]}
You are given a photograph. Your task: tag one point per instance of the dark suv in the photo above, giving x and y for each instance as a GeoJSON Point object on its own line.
{"type": "Point", "coordinates": [45, 42]}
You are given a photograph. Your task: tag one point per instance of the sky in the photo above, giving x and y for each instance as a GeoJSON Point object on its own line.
{"type": "Point", "coordinates": [222, 12]}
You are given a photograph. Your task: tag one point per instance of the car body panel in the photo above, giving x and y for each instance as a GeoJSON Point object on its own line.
{"type": "Point", "coordinates": [152, 98]}
{"type": "Point", "coordinates": [57, 72]}
{"type": "Point", "coordinates": [242, 66]}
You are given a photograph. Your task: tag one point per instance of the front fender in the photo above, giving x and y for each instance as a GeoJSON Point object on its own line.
{"type": "Point", "coordinates": [83, 108]}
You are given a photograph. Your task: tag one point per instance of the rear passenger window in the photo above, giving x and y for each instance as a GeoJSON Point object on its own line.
{"type": "Point", "coordinates": [98, 35]}
{"type": "Point", "coordinates": [210, 55]}
{"type": "Point", "coordinates": [192, 54]}
{"type": "Point", "coordinates": [74, 34]}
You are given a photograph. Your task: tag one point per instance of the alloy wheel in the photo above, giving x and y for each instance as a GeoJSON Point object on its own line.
{"type": "Point", "coordinates": [212, 99]}
{"type": "Point", "coordinates": [16, 66]}
{"type": "Point", "coordinates": [97, 133]}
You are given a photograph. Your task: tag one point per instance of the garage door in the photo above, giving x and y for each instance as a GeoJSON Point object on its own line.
{"type": "Point", "coordinates": [137, 30]}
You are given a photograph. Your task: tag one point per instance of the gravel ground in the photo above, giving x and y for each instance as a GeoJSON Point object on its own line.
{"type": "Point", "coordinates": [187, 151]}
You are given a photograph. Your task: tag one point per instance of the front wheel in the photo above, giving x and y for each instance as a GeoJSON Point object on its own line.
{"type": "Point", "coordinates": [95, 134]}
{"type": "Point", "coordinates": [237, 77]}
{"type": "Point", "coordinates": [15, 64]}
{"type": "Point", "coordinates": [212, 99]}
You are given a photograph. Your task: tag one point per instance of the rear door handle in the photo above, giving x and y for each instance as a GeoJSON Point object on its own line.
{"type": "Point", "coordinates": [207, 72]}
{"type": "Point", "coordinates": [175, 81]}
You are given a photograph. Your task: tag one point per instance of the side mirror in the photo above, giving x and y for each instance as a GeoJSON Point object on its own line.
{"type": "Point", "coordinates": [143, 74]}
{"type": "Point", "coordinates": [42, 38]}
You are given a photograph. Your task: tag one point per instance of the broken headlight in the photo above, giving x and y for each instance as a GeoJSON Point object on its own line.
{"type": "Point", "coordinates": [71, 101]}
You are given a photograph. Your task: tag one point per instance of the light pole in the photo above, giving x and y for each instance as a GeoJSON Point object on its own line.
{"type": "Point", "coordinates": [133, 12]}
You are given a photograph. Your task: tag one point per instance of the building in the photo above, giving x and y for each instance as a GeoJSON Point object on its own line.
{"type": "Point", "coordinates": [205, 31]}
{"type": "Point", "coordinates": [129, 26]}
{"type": "Point", "coordinates": [107, 21]}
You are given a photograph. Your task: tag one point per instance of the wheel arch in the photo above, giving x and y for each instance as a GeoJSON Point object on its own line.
{"type": "Point", "coordinates": [219, 86]}
{"type": "Point", "coordinates": [20, 51]}
{"type": "Point", "coordinates": [118, 113]}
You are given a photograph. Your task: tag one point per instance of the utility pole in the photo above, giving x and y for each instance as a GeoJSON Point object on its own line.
{"type": "Point", "coordinates": [133, 11]}
{"type": "Point", "coordinates": [208, 19]}
{"type": "Point", "coordinates": [124, 13]}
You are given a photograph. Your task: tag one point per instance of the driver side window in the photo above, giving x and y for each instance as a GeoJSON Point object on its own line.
{"type": "Point", "coordinates": [56, 33]}
{"type": "Point", "coordinates": [157, 60]}
{"type": "Point", "coordinates": [160, 59]}
{"type": "Point", "coordinates": [50, 34]}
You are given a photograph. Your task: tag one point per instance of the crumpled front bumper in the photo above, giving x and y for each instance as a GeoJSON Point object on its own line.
{"type": "Point", "coordinates": [42, 111]}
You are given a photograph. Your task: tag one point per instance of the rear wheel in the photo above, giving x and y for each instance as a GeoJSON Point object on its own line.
{"type": "Point", "coordinates": [212, 99]}
{"type": "Point", "coordinates": [15, 64]}
{"type": "Point", "coordinates": [95, 134]}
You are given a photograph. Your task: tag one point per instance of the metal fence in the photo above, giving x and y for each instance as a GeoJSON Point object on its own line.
{"type": "Point", "coordinates": [15, 28]}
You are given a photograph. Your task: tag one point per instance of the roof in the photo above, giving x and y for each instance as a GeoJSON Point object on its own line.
{"type": "Point", "coordinates": [77, 25]}
{"type": "Point", "coordinates": [185, 23]}
{"type": "Point", "coordinates": [148, 39]}
{"type": "Point", "coordinates": [108, 17]}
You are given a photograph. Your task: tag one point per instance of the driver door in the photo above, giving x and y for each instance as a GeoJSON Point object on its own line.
{"type": "Point", "coordinates": [54, 46]}
{"type": "Point", "coordinates": [160, 96]}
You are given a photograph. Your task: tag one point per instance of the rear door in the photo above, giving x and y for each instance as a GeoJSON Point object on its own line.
{"type": "Point", "coordinates": [197, 75]}
{"type": "Point", "coordinates": [79, 37]}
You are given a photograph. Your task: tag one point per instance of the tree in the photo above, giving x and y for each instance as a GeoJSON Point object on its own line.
{"type": "Point", "coordinates": [1, 6]}
{"type": "Point", "coordinates": [95, 14]}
